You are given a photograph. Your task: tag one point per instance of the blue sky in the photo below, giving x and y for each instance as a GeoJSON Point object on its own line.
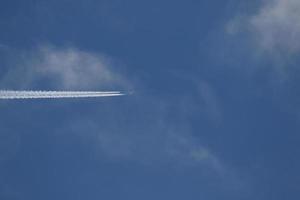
{"type": "Point", "coordinates": [213, 114]}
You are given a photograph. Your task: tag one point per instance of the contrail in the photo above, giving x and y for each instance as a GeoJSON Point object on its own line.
{"type": "Point", "coordinates": [12, 94]}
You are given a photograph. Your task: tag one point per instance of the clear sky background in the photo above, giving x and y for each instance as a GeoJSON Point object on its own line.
{"type": "Point", "coordinates": [213, 114]}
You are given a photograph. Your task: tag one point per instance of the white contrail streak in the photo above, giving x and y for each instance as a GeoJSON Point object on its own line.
{"type": "Point", "coordinates": [11, 94]}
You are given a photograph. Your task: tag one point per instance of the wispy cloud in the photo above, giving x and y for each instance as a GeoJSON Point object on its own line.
{"type": "Point", "coordinates": [157, 144]}
{"type": "Point", "coordinates": [62, 68]}
{"type": "Point", "coordinates": [150, 135]}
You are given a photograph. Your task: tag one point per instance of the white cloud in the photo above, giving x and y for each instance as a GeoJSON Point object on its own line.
{"type": "Point", "coordinates": [63, 68]}
{"type": "Point", "coordinates": [275, 26]}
